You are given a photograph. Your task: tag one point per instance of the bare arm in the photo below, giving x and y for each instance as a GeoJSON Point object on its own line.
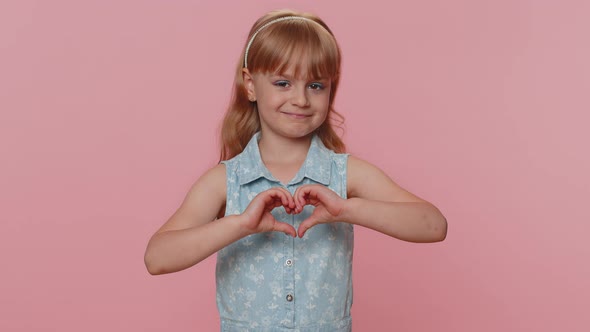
{"type": "Point", "coordinates": [375, 202]}
{"type": "Point", "coordinates": [379, 203]}
{"type": "Point", "coordinates": [192, 233]}
{"type": "Point", "coordinates": [189, 236]}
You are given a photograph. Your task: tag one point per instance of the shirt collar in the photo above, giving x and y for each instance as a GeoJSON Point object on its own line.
{"type": "Point", "coordinates": [317, 165]}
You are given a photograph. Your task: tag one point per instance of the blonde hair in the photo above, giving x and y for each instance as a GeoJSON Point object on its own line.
{"type": "Point", "coordinates": [272, 51]}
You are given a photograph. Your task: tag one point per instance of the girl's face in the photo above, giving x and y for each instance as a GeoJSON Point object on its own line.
{"type": "Point", "coordinates": [289, 106]}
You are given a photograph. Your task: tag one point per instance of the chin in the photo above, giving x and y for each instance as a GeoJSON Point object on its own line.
{"type": "Point", "coordinates": [299, 133]}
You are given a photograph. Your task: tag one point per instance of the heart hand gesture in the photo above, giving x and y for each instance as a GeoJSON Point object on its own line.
{"type": "Point", "coordinates": [257, 216]}
{"type": "Point", "coordinates": [328, 205]}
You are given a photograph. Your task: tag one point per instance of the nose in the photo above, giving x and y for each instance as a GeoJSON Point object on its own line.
{"type": "Point", "coordinates": [300, 97]}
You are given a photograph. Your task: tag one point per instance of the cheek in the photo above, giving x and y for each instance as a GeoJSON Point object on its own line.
{"type": "Point", "coordinates": [323, 102]}
{"type": "Point", "coordinates": [269, 105]}
{"type": "Point", "coordinates": [271, 99]}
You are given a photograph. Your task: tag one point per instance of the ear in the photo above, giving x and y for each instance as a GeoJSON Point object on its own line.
{"type": "Point", "coordinates": [249, 84]}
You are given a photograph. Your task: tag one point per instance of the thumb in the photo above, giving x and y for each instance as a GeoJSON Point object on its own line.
{"type": "Point", "coordinates": [305, 225]}
{"type": "Point", "coordinates": [285, 228]}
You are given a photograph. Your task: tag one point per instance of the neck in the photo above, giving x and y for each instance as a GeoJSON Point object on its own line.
{"type": "Point", "coordinates": [277, 149]}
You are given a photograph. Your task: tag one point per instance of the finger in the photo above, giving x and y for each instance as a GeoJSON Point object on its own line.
{"type": "Point", "coordinates": [270, 200]}
{"type": "Point", "coordinates": [285, 228]}
{"type": "Point", "coordinates": [308, 195]}
{"type": "Point", "coordinates": [285, 196]}
{"type": "Point", "coordinates": [304, 226]}
{"type": "Point", "coordinates": [275, 197]}
{"type": "Point", "coordinates": [299, 197]}
{"type": "Point", "coordinates": [289, 210]}
{"type": "Point", "coordinates": [295, 195]}
{"type": "Point", "coordinates": [287, 201]}
{"type": "Point", "coordinates": [290, 201]}
{"type": "Point", "coordinates": [290, 204]}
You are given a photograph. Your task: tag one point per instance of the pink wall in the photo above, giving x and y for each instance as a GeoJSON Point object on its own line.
{"type": "Point", "coordinates": [109, 111]}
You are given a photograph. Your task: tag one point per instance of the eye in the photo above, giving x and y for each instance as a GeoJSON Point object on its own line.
{"type": "Point", "coordinates": [316, 86]}
{"type": "Point", "coordinates": [282, 84]}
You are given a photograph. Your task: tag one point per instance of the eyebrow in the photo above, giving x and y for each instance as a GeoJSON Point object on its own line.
{"type": "Point", "coordinates": [283, 75]}
{"type": "Point", "coordinates": [291, 78]}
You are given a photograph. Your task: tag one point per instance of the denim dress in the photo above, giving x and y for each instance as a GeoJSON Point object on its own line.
{"type": "Point", "coordinates": [275, 283]}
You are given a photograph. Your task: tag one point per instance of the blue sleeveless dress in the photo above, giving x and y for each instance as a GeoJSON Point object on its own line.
{"type": "Point", "coordinates": [271, 282]}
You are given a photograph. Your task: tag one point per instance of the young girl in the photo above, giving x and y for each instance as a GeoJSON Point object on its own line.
{"type": "Point", "coordinates": [283, 170]}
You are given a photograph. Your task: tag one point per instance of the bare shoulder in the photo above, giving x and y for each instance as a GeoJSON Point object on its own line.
{"type": "Point", "coordinates": [365, 180]}
{"type": "Point", "coordinates": [203, 203]}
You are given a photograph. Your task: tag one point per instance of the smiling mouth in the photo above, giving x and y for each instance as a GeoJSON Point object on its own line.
{"type": "Point", "coordinates": [296, 115]}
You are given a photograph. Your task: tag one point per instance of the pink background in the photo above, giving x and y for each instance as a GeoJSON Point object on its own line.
{"type": "Point", "coordinates": [110, 109]}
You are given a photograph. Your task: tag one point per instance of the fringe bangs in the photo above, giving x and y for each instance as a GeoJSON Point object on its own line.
{"type": "Point", "coordinates": [305, 45]}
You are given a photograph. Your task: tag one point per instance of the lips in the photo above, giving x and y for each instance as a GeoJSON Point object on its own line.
{"type": "Point", "coordinates": [296, 115]}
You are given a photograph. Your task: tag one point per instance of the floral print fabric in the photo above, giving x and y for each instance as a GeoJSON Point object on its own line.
{"type": "Point", "coordinates": [272, 282]}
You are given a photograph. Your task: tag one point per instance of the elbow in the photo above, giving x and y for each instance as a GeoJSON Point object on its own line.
{"type": "Point", "coordinates": [151, 265]}
{"type": "Point", "coordinates": [439, 229]}
{"type": "Point", "coordinates": [153, 271]}
{"type": "Point", "coordinates": [435, 226]}
{"type": "Point", "coordinates": [154, 258]}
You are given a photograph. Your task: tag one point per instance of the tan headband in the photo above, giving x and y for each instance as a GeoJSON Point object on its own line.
{"type": "Point", "coordinates": [285, 18]}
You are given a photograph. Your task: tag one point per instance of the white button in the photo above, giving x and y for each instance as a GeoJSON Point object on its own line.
{"type": "Point", "coordinates": [289, 262]}
{"type": "Point", "coordinates": [289, 297]}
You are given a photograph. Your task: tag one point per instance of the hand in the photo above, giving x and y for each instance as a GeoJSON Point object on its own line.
{"type": "Point", "coordinates": [328, 205]}
{"type": "Point", "coordinates": [257, 217]}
